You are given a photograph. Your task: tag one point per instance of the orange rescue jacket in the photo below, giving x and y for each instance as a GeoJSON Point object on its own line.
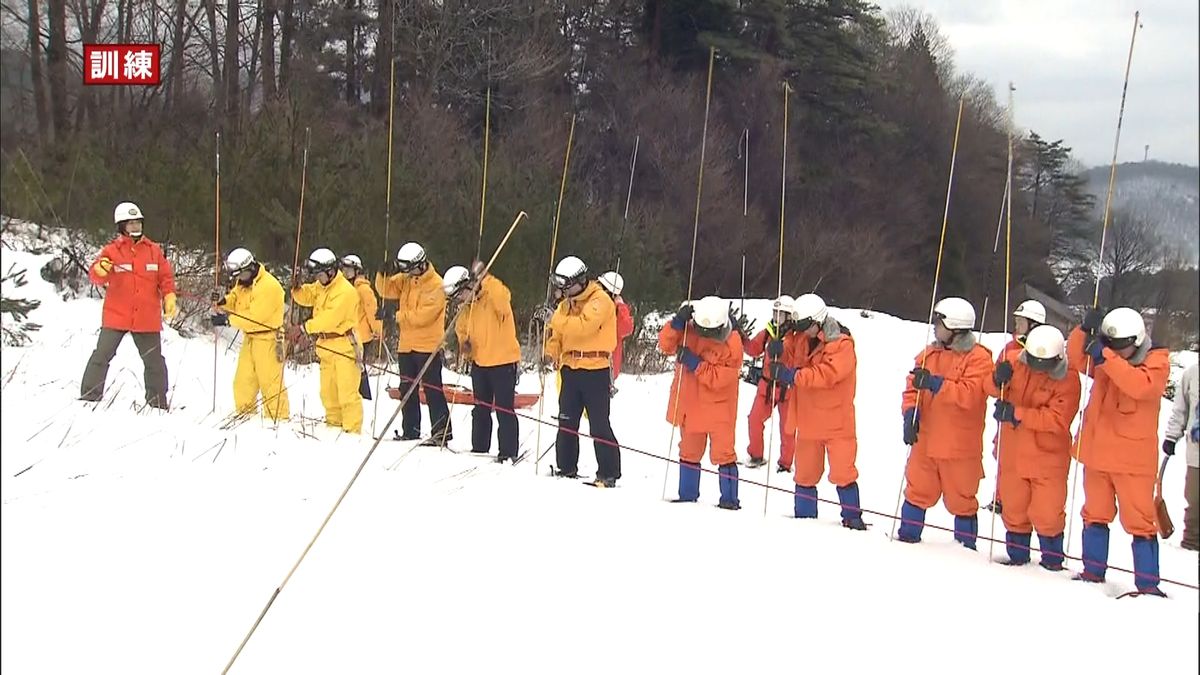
{"type": "Point", "coordinates": [135, 286]}
{"type": "Point", "coordinates": [1044, 405]}
{"type": "Point", "coordinates": [706, 400]}
{"type": "Point", "coordinates": [1119, 430]}
{"type": "Point", "coordinates": [582, 333]}
{"type": "Point", "coordinates": [822, 406]}
{"type": "Point", "coordinates": [951, 421]}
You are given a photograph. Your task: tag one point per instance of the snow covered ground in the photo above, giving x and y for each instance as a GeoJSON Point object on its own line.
{"type": "Point", "coordinates": [142, 542]}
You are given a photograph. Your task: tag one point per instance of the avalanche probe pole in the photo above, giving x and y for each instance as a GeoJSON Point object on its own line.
{"type": "Point", "coordinates": [387, 227]}
{"type": "Point", "coordinates": [937, 276]}
{"type": "Point", "coordinates": [712, 57]}
{"type": "Point", "coordinates": [412, 388]}
{"type": "Point", "coordinates": [628, 196]}
{"type": "Point", "coordinates": [1112, 179]}
{"type": "Point", "coordinates": [772, 387]}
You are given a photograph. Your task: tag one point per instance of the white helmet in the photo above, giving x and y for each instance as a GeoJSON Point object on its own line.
{"type": "Point", "coordinates": [455, 279]}
{"type": "Point", "coordinates": [1044, 343]}
{"type": "Point", "coordinates": [126, 211]}
{"type": "Point", "coordinates": [1032, 310]}
{"type": "Point", "coordinates": [320, 260]}
{"type": "Point", "coordinates": [238, 260]}
{"type": "Point", "coordinates": [612, 282]}
{"type": "Point", "coordinates": [1122, 327]}
{"type": "Point", "coordinates": [352, 261]}
{"type": "Point", "coordinates": [568, 272]}
{"type": "Point", "coordinates": [809, 306]}
{"type": "Point", "coordinates": [410, 256]}
{"type": "Point", "coordinates": [784, 304]}
{"type": "Point", "coordinates": [710, 313]}
{"type": "Point", "coordinates": [955, 313]}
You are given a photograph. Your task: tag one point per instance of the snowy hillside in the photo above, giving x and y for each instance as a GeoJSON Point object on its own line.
{"type": "Point", "coordinates": [143, 542]}
{"type": "Point", "coordinates": [1166, 194]}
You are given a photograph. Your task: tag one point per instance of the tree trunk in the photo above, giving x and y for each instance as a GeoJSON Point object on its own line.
{"type": "Point", "coordinates": [214, 53]}
{"type": "Point", "coordinates": [56, 60]}
{"type": "Point", "coordinates": [286, 31]}
{"type": "Point", "coordinates": [252, 71]}
{"type": "Point", "coordinates": [351, 54]}
{"type": "Point", "coordinates": [268, 48]}
{"type": "Point", "coordinates": [381, 81]}
{"type": "Point", "coordinates": [232, 29]}
{"type": "Point", "coordinates": [178, 48]}
{"type": "Point", "coordinates": [35, 66]}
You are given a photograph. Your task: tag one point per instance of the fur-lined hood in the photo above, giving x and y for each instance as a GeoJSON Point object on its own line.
{"type": "Point", "coordinates": [963, 342]}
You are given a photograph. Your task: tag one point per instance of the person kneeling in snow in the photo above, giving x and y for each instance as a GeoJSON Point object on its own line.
{"type": "Point", "coordinates": [945, 401]}
{"type": "Point", "coordinates": [137, 278]}
{"type": "Point", "coordinates": [704, 393]}
{"type": "Point", "coordinates": [487, 336]}
{"type": "Point", "coordinates": [1118, 438]}
{"type": "Point", "coordinates": [255, 307]}
{"type": "Point", "coordinates": [1037, 398]}
{"type": "Point", "coordinates": [335, 314]}
{"type": "Point", "coordinates": [820, 363]}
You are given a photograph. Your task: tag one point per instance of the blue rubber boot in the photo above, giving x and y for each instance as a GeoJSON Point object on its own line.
{"type": "Point", "coordinates": [729, 487]}
{"type": "Point", "coordinates": [806, 502]}
{"type": "Point", "coordinates": [1145, 565]}
{"type": "Point", "coordinates": [1095, 553]}
{"type": "Point", "coordinates": [1018, 544]}
{"type": "Point", "coordinates": [689, 482]}
{"type": "Point", "coordinates": [1052, 552]}
{"type": "Point", "coordinates": [966, 530]}
{"type": "Point", "coordinates": [912, 522]}
{"type": "Point", "coordinates": [851, 509]}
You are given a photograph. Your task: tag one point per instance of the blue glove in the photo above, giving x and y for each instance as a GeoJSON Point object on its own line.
{"type": "Point", "coordinates": [1095, 349]}
{"type": "Point", "coordinates": [782, 374]}
{"type": "Point", "coordinates": [923, 379]}
{"type": "Point", "coordinates": [682, 317]}
{"type": "Point", "coordinates": [1006, 412]}
{"type": "Point", "coordinates": [220, 319]}
{"type": "Point", "coordinates": [689, 359]}
{"type": "Point", "coordinates": [1195, 432]}
{"type": "Point", "coordinates": [912, 424]}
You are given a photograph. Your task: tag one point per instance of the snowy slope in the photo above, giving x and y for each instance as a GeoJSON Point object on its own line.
{"type": "Point", "coordinates": [141, 542]}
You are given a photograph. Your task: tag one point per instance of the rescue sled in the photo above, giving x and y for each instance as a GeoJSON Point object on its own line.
{"type": "Point", "coordinates": [458, 395]}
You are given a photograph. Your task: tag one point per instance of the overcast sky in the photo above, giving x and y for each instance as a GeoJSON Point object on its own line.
{"type": "Point", "coordinates": [1066, 59]}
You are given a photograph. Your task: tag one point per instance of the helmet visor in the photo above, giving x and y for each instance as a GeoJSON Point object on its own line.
{"type": "Point", "coordinates": [1120, 343]}
{"type": "Point", "coordinates": [720, 333]}
{"type": "Point", "coordinates": [1043, 365]}
{"type": "Point", "coordinates": [802, 325]}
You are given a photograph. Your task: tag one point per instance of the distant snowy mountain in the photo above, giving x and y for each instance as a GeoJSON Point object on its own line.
{"type": "Point", "coordinates": [1167, 194]}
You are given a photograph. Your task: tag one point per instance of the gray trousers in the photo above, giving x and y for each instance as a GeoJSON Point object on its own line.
{"type": "Point", "coordinates": [149, 345]}
{"type": "Point", "coordinates": [1191, 489]}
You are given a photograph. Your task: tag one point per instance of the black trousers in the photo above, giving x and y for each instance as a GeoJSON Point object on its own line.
{"type": "Point", "coordinates": [149, 345]}
{"type": "Point", "coordinates": [435, 398]}
{"type": "Point", "coordinates": [494, 389]}
{"type": "Point", "coordinates": [586, 390]}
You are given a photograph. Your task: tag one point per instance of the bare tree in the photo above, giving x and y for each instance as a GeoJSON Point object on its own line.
{"type": "Point", "coordinates": [35, 66]}
{"type": "Point", "coordinates": [1132, 248]}
{"type": "Point", "coordinates": [56, 59]}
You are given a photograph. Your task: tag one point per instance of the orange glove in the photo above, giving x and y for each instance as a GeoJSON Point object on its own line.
{"type": "Point", "coordinates": [102, 267]}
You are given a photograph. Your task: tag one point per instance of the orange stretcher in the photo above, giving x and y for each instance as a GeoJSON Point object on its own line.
{"type": "Point", "coordinates": [458, 395]}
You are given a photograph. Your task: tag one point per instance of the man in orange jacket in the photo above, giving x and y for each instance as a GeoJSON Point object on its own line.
{"type": "Point", "coordinates": [704, 393]}
{"type": "Point", "coordinates": [580, 338]}
{"type": "Point", "coordinates": [487, 335]}
{"type": "Point", "coordinates": [944, 406]}
{"type": "Point", "coordinates": [769, 344]}
{"type": "Point", "coordinates": [819, 364]}
{"type": "Point", "coordinates": [421, 320]}
{"type": "Point", "coordinates": [1118, 438]}
{"type": "Point", "coordinates": [1037, 398]}
{"type": "Point", "coordinates": [140, 293]}
{"type": "Point", "coordinates": [614, 285]}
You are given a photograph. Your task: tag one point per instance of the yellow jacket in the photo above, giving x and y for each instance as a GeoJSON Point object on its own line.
{"type": "Point", "coordinates": [261, 303]}
{"type": "Point", "coordinates": [487, 325]}
{"type": "Point", "coordinates": [421, 315]}
{"type": "Point", "coordinates": [368, 326]}
{"type": "Point", "coordinates": [335, 307]}
{"type": "Point", "coordinates": [583, 331]}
